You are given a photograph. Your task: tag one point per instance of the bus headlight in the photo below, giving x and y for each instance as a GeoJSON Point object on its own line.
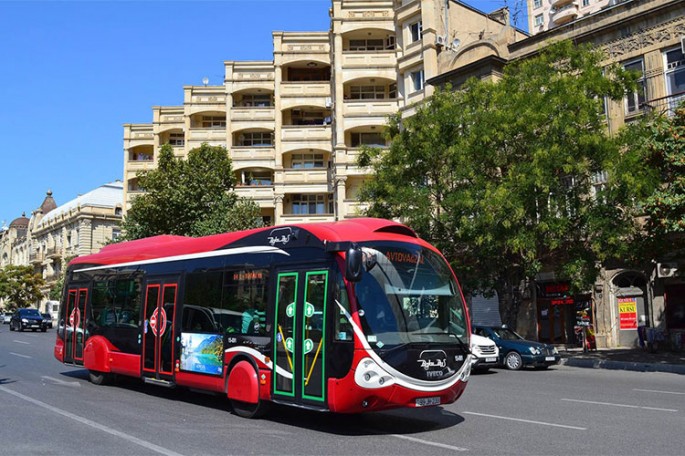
{"type": "Point", "coordinates": [371, 376]}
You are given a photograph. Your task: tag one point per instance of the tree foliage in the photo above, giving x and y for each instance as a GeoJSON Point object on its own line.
{"type": "Point", "coordinates": [500, 175]}
{"type": "Point", "coordinates": [661, 140]}
{"type": "Point", "coordinates": [20, 286]}
{"type": "Point", "coordinates": [190, 197]}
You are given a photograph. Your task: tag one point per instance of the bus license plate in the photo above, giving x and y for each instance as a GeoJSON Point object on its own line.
{"type": "Point", "coordinates": [549, 358]}
{"type": "Point", "coordinates": [490, 360]}
{"type": "Point", "coordinates": [427, 401]}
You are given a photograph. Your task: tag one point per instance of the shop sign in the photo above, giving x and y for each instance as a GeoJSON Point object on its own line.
{"type": "Point", "coordinates": [562, 301]}
{"type": "Point", "coordinates": [627, 313]}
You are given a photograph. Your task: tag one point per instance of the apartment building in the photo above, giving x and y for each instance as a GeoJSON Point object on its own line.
{"type": "Point", "coordinates": [294, 125]}
{"type": "Point", "coordinates": [547, 14]}
{"type": "Point", "coordinates": [54, 234]}
{"type": "Point", "coordinates": [646, 36]}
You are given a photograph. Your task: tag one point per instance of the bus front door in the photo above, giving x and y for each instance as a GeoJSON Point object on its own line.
{"type": "Point", "coordinates": [74, 326]}
{"type": "Point", "coordinates": [158, 330]}
{"type": "Point", "coordinates": [300, 338]}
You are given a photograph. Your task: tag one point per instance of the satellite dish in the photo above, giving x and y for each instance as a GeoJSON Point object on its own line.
{"type": "Point", "coordinates": [455, 44]}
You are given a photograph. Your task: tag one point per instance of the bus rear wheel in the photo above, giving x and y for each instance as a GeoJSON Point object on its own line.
{"type": "Point", "coordinates": [99, 378]}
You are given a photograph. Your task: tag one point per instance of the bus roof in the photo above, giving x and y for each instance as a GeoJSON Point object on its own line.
{"type": "Point", "coordinates": [352, 230]}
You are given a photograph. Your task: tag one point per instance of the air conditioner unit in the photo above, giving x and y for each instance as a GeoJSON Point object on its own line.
{"type": "Point", "coordinates": [441, 40]}
{"type": "Point", "coordinates": [682, 44]}
{"type": "Point", "coordinates": [664, 270]}
{"type": "Point", "coordinates": [329, 102]}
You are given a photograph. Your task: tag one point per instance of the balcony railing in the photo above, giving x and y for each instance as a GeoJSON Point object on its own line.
{"type": "Point", "coordinates": [565, 14]}
{"type": "Point", "coordinates": [665, 105]}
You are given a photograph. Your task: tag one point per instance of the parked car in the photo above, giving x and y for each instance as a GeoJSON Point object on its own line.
{"type": "Point", "coordinates": [47, 318]}
{"type": "Point", "coordinates": [27, 319]}
{"type": "Point", "coordinates": [6, 317]}
{"type": "Point", "coordinates": [485, 352]}
{"type": "Point", "coordinates": [516, 352]}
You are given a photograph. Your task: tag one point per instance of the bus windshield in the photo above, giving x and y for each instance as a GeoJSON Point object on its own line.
{"type": "Point", "coordinates": [409, 295]}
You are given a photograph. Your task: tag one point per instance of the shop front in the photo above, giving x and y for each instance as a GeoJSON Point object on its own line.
{"type": "Point", "coordinates": [562, 318]}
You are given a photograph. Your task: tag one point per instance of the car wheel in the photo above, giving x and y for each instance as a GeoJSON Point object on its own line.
{"type": "Point", "coordinates": [513, 361]}
{"type": "Point", "coordinates": [11, 327]}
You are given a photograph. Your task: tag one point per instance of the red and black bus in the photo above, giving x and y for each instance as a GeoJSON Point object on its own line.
{"type": "Point", "coordinates": [348, 316]}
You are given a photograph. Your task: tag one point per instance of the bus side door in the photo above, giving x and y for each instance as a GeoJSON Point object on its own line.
{"type": "Point", "coordinates": [300, 337]}
{"type": "Point", "coordinates": [158, 328]}
{"type": "Point", "coordinates": [74, 326]}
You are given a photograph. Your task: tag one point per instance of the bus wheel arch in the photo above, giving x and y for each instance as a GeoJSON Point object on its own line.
{"type": "Point", "coordinates": [243, 389]}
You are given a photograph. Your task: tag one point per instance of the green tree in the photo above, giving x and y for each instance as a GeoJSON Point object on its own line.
{"type": "Point", "coordinates": [663, 145]}
{"type": "Point", "coordinates": [190, 197]}
{"type": "Point", "coordinates": [20, 286]}
{"type": "Point", "coordinates": [500, 175]}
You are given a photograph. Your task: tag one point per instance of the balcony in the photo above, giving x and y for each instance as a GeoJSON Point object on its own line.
{"type": "Point", "coordinates": [246, 156]}
{"type": "Point", "coordinates": [288, 219]}
{"type": "Point", "coordinates": [252, 114]}
{"type": "Point", "coordinates": [369, 60]}
{"type": "Point", "coordinates": [370, 108]}
{"type": "Point", "coordinates": [298, 176]}
{"type": "Point", "coordinates": [306, 137]}
{"type": "Point", "coordinates": [558, 4]}
{"type": "Point", "coordinates": [262, 195]}
{"type": "Point", "coordinates": [666, 105]}
{"type": "Point", "coordinates": [565, 14]}
{"type": "Point", "coordinates": [306, 89]}
{"type": "Point", "coordinates": [206, 135]}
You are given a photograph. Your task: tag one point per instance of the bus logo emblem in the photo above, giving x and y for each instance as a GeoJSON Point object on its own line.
{"type": "Point", "coordinates": [281, 236]}
{"type": "Point", "coordinates": [158, 322]}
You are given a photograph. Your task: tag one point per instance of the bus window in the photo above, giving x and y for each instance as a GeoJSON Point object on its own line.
{"type": "Point", "coordinates": [343, 327]}
{"type": "Point", "coordinates": [246, 294]}
{"type": "Point", "coordinates": [202, 297]}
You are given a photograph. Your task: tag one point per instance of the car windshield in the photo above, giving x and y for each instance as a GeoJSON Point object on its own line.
{"type": "Point", "coordinates": [506, 334]}
{"type": "Point", "coordinates": [29, 313]}
{"type": "Point", "coordinates": [408, 294]}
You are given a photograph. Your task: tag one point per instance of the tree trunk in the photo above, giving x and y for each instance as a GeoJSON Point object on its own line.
{"type": "Point", "coordinates": [508, 296]}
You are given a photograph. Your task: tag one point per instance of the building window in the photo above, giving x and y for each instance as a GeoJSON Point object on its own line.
{"type": "Point", "coordinates": [177, 139]}
{"type": "Point", "coordinates": [635, 100]}
{"type": "Point", "coordinates": [256, 178]}
{"type": "Point", "coordinates": [305, 161]}
{"type": "Point", "coordinates": [367, 92]}
{"type": "Point", "coordinates": [417, 80]}
{"type": "Point", "coordinates": [586, 3]}
{"type": "Point", "coordinates": [256, 101]}
{"type": "Point", "coordinates": [213, 121]}
{"type": "Point", "coordinates": [537, 4]}
{"type": "Point", "coordinates": [256, 139]}
{"type": "Point", "coordinates": [675, 77]}
{"type": "Point", "coordinates": [140, 156]}
{"type": "Point", "coordinates": [309, 204]}
{"type": "Point", "coordinates": [538, 20]}
{"type": "Point", "coordinates": [367, 45]}
{"type": "Point", "coordinates": [359, 139]}
{"type": "Point", "coordinates": [415, 31]}
{"type": "Point", "coordinates": [299, 117]}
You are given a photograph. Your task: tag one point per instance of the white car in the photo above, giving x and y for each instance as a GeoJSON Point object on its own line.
{"type": "Point", "coordinates": [6, 317]}
{"type": "Point", "coordinates": [485, 353]}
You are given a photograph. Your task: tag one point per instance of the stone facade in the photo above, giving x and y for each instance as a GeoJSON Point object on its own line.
{"type": "Point", "coordinates": [54, 234]}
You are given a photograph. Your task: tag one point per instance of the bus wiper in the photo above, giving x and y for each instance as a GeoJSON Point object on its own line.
{"type": "Point", "coordinates": [462, 344]}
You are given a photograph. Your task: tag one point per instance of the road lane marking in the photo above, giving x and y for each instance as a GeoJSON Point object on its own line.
{"type": "Point", "coordinates": [21, 342]}
{"type": "Point", "coordinates": [658, 391]}
{"type": "Point", "coordinates": [427, 442]}
{"type": "Point", "coordinates": [21, 356]}
{"type": "Point", "coordinates": [621, 405]}
{"type": "Point", "coordinates": [565, 426]}
{"type": "Point", "coordinates": [93, 424]}
{"type": "Point", "coordinates": [60, 382]}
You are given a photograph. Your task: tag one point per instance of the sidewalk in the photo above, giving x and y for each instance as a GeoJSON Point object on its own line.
{"type": "Point", "coordinates": [633, 359]}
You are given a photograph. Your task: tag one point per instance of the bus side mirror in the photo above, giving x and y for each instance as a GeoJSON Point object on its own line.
{"type": "Point", "coordinates": [353, 264]}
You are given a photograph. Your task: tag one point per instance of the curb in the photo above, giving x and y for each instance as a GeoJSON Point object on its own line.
{"type": "Point", "coordinates": [624, 365]}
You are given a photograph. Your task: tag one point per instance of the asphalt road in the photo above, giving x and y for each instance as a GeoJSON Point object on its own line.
{"type": "Point", "coordinates": [47, 408]}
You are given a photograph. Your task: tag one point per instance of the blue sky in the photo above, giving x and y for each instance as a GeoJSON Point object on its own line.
{"type": "Point", "coordinates": [73, 72]}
